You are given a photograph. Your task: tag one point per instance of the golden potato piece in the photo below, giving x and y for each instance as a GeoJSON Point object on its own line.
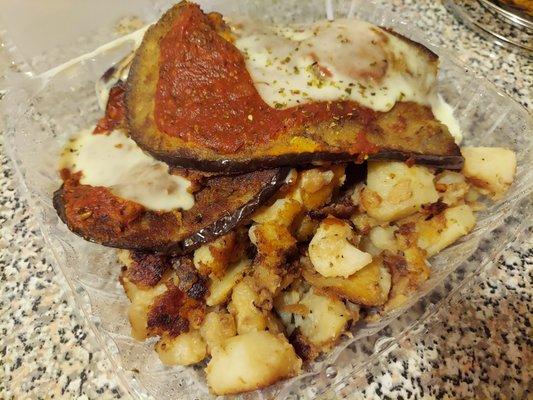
{"type": "Point", "coordinates": [282, 212]}
{"type": "Point", "coordinates": [445, 228]}
{"type": "Point", "coordinates": [395, 190]}
{"type": "Point", "coordinates": [185, 349]}
{"type": "Point", "coordinates": [243, 306]}
{"type": "Point", "coordinates": [251, 361]}
{"type": "Point", "coordinates": [491, 169]}
{"type": "Point", "coordinates": [369, 286]}
{"type": "Point", "coordinates": [217, 327]}
{"type": "Point", "coordinates": [332, 250]}
{"type": "Point", "coordinates": [325, 321]}
{"type": "Point", "coordinates": [220, 289]}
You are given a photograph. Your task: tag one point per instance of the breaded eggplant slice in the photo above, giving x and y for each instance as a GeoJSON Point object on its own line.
{"type": "Point", "coordinates": [184, 104]}
{"type": "Point", "coordinates": [221, 204]}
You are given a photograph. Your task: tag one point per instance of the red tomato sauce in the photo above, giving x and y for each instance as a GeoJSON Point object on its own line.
{"type": "Point", "coordinates": [115, 110]}
{"type": "Point", "coordinates": [205, 94]}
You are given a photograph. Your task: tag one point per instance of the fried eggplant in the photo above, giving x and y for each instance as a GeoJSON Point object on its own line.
{"type": "Point", "coordinates": [191, 103]}
{"type": "Point", "coordinates": [221, 204]}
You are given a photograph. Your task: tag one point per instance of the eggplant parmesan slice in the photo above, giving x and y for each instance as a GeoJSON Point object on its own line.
{"type": "Point", "coordinates": [191, 102]}
{"type": "Point", "coordinates": [220, 205]}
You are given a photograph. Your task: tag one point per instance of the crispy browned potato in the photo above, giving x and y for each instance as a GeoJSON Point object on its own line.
{"type": "Point", "coordinates": [369, 286]}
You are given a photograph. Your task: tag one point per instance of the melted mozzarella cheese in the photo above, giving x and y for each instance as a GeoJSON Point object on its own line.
{"type": "Point", "coordinates": [116, 162]}
{"type": "Point", "coordinates": [336, 60]}
{"type": "Point", "coordinates": [344, 59]}
{"type": "Point", "coordinates": [444, 113]}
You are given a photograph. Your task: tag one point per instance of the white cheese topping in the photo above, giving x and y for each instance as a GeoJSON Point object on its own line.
{"type": "Point", "coordinates": [116, 162]}
{"type": "Point", "coordinates": [344, 59]}
{"type": "Point", "coordinates": [444, 113]}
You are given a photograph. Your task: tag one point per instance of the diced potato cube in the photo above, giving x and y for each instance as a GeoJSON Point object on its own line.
{"type": "Point", "coordinates": [395, 190]}
{"type": "Point", "coordinates": [285, 307]}
{"type": "Point", "coordinates": [445, 228]}
{"type": "Point", "coordinates": [305, 228]}
{"type": "Point", "coordinates": [325, 320]}
{"type": "Point", "coordinates": [274, 243]}
{"type": "Point", "coordinates": [141, 301]}
{"type": "Point", "coordinates": [282, 212]}
{"type": "Point", "coordinates": [247, 315]}
{"type": "Point", "coordinates": [185, 349]}
{"type": "Point", "coordinates": [214, 257]}
{"type": "Point", "coordinates": [363, 222]}
{"type": "Point", "coordinates": [409, 270]}
{"type": "Point", "coordinates": [220, 289]}
{"type": "Point", "coordinates": [383, 238]}
{"type": "Point", "coordinates": [369, 286]}
{"type": "Point", "coordinates": [271, 239]}
{"type": "Point", "coordinates": [332, 251]}
{"type": "Point", "coordinates": [490, 168]}
{"type": "Point", "coordinates": [251, 361]}
{"type": "Point", "coordinates": [452, 187]}
{"type": "Point", "coordinates": [315, 187]}
{"type": "Point", "coordinates": [141, 297]}
{"type": "Point", "coordinates": [217, 327]}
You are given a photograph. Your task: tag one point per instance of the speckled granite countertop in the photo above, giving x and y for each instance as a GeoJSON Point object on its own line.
{"type": "Point", "coordinates": [480, 348]}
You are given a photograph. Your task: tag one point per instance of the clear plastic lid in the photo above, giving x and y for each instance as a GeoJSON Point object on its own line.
{"type": "Point", "coordinates": [36, 36]}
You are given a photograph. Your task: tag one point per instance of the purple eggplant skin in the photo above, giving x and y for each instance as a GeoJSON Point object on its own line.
{"type": "Point", "coordinates": [223, 204]}
{"type": "Point", "coordinates": [303, 160]}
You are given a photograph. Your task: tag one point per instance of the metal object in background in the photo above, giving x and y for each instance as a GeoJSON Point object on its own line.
{"type": "Point", "coordinates": [502, 25]}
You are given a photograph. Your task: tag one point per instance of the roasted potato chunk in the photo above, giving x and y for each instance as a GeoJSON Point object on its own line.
{"type": "Point", "coordinates": [214, 258]}
{"type": "Point", "coordinates": [369, 286]}
{"type": "Point", "coordinates": [248, 316]}
{"type": "Point", "coordinates": [220, 289]}
{"type": "Point", "coordinates": [251, 361]}
{"type": "Point", "coordinates": [452, 187]}
{"type": "Point", "coordinates": [321, 319]}
{"type": "Point", "coordinates": [332, 250]}
{"type": "Point", "coordinates": [184, 349]}
{"type": "Point", "coordinates": [282, 212]}
{"type": "Point", "coordinates": [491, 169]}
{"type": "Point", "coordinates": [408, 270]}
{"type": "Point", "coordinates": [217, 327]}
{"type": "Point", "coordinates": [445, 228]}
{"type": "Point", "coordinates": [315, 187]}
{"type": "Point", "coordinates": [394, 190]}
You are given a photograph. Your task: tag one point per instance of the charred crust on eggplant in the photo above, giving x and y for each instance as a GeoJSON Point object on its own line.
{"type": "Point", "coordinates": [305, 159]}
{"type": "Point", "coordinates": [225, 202]}
{"type": "Point", "coordinates": [431, 55]}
